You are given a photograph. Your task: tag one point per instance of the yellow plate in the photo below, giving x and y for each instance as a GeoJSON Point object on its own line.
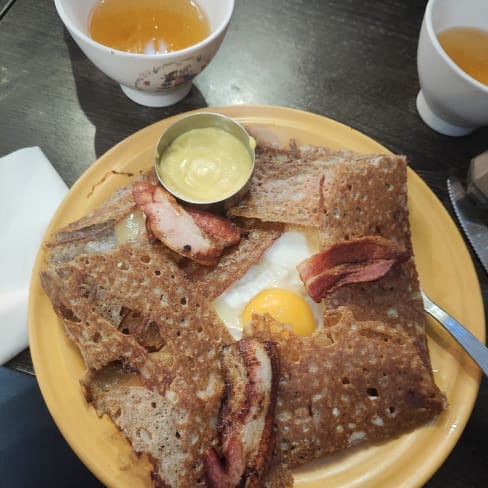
{"type": "Point", "coordinates": [446, 273]}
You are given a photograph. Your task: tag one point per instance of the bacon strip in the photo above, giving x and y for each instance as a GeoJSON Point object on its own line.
{"type": "Point", "coordinates": [222, 231]}
{"type": "Point", "coordinates": [246, 417]}
{"type": "Point", "coordinates": [355, 261]}
{"type": "Point", "coordinates": [197, 235]}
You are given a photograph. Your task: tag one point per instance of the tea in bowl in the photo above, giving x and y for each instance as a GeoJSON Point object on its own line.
{"type": "Point", "coordinates": [152, 48]}
{"type": "Point", "coordinates": [452, 61]}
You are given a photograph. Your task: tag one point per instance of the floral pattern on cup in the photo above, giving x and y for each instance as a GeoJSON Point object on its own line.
{"type": "Point", "coordinates": [170, 75]}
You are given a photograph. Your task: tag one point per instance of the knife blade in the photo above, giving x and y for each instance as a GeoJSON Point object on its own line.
{"type": "Point", "coordinates": [471, 218]}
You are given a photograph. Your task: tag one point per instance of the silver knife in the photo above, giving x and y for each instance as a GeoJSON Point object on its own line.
{"type": "Point", "coordinates": [471, 218]}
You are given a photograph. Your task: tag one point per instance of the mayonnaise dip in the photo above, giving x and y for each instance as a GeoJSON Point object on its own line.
{"type": "Point", "coordinates": [205, 165]}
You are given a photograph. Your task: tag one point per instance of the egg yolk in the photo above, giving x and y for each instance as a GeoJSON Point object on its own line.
{"type": "Point", "coordinates": [284, 306]}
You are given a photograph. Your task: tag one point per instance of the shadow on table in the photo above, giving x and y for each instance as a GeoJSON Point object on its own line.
{"type": "Point", "coordinates": [115, 116]}
{"type": "Point", "coordinates": [32, 450]}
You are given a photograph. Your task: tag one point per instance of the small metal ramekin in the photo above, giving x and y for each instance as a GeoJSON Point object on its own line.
{"type": "Point", "coordinates": [202, 120]}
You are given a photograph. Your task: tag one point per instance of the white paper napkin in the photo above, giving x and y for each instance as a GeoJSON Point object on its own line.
{"type": "Point", "coordinates": [30, 191]}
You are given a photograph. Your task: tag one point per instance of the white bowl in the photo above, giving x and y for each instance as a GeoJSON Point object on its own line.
{"type": "Point", "coordinates": [154, 80]}
{"type": "Point", "coordinates": [450, 101]}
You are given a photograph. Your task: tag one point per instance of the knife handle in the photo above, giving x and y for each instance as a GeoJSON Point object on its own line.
{"type": "Point", "coordinates": [471, 344]}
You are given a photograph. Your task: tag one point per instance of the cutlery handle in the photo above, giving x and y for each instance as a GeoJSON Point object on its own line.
{"type": "Point", "coordinates": [472, 345]}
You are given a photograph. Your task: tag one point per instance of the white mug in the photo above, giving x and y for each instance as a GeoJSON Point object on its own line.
{"type": "Point", "coordinates": [450, 101]}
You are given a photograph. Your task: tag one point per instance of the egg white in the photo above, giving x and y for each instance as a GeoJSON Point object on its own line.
{"type": "Point", "coordinates": [275, 269]}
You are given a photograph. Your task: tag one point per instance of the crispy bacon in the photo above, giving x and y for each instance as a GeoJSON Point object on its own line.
{"type": "Point", "coordinates": [358, 260]}
{"type": "Point", "coordinates": [246, 417]}
{"type": "Point", "coordinates": [197, 235]}
{"type": "Point", "coordinates": [222, 231]}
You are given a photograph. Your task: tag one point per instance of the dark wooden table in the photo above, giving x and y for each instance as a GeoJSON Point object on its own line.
{"type": "Point", "coordinates": [350, 60]}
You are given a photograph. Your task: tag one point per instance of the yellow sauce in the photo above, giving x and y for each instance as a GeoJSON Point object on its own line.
{"type": "Point", "coordinates": [205, 165]}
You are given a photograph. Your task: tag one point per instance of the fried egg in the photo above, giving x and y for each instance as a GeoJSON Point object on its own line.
{"type": "Point", "coordinates": [273, 285]}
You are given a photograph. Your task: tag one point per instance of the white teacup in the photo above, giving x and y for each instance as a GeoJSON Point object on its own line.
{"type": "Point", "coordinates": [450, 101]}
{"type": "Point", "coordinates": [154, 80]}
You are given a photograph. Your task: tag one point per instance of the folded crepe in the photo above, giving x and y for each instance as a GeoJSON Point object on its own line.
{"type": "Point", "coordinates": [152, 343]}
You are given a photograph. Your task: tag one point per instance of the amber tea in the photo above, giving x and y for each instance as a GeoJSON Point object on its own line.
{"type": "Point", "coordinates": [468, 48]}
{"type": "Point", "coordinates": [148, 26]}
